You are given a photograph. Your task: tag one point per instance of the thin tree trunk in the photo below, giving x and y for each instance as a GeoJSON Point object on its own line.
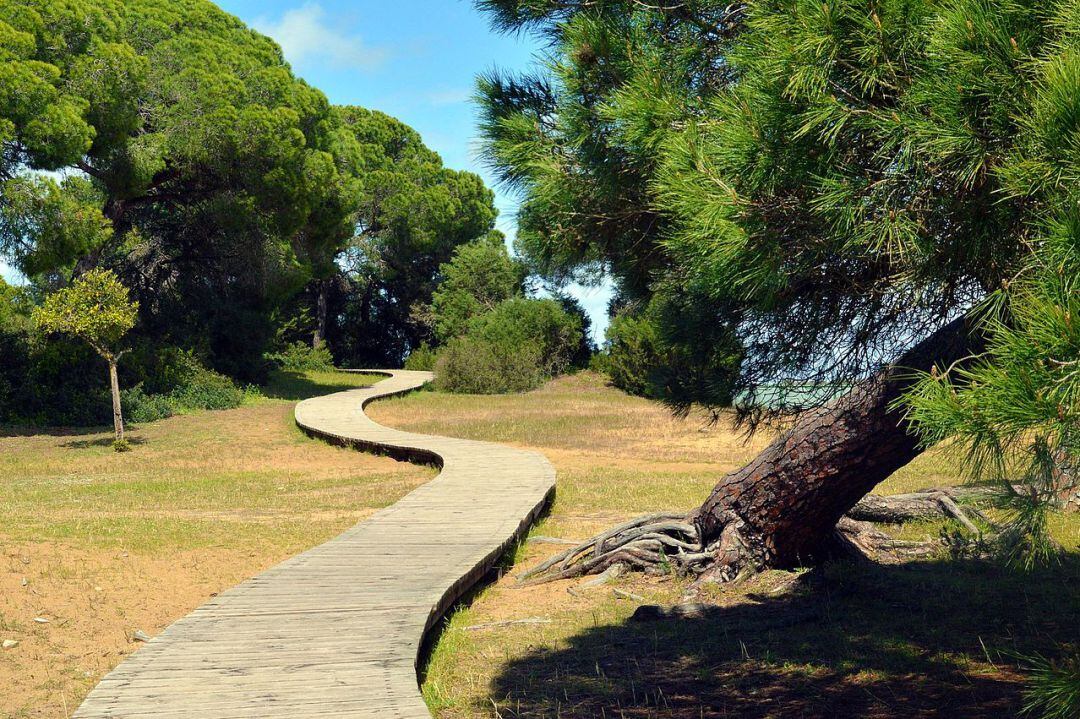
{"type": "Point", "coordinates": [321, 303]}
{"type": "Point", "coordinates": [118, 417]}
{"type": "Point", "coordinates": [781, 509]}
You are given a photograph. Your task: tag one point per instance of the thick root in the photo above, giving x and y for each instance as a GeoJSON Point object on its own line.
{"type": "Point", "coordinates": [925, 504]}
{"type": "Point", "coordinates": [668, 542]}
{"type": "Point", "coordinates": [655, 542]}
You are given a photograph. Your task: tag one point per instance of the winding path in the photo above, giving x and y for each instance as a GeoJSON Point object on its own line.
{"type": "Point", "coordinates": [336, 631]}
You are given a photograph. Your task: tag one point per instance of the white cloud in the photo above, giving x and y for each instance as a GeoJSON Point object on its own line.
{"type": "Point", "coordinates": [452, 96]}
{"type": "Point", "coordinates": [308, 37]}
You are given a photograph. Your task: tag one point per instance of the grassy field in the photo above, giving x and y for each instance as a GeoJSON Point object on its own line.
{"type": "Point", "coordinates": [936, 638]}
{"type": "Point", "coordinates": [102, 545]}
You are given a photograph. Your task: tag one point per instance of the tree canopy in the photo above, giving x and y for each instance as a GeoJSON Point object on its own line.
{"type": "Point", "coordinates": [96, 308]}
{"type": "Point", "coordinates": [170, 143]}
{"type": "Point", "coordinates": [837, 179]}
{"type": "Point", "coordinates": [480, 276]}
{"type": "Point", "coordinates": [876, 199]}
{"type": "Point", "coordinates": [413, 213]}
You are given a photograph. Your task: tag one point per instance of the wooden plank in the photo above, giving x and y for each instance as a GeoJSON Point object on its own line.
{"type": "Point", "coordinates": [335, 631]}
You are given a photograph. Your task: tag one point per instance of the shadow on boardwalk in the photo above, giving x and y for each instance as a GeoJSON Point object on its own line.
{"type": "Point", "coordinates": [934, 639]}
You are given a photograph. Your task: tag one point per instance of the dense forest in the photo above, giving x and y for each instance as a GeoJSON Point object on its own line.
{"type": "Point", "coordinates": [251, 222]}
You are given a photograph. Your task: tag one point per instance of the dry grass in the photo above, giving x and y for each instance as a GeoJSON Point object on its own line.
{"type": "Point", "coordinates": [102, 544]}
{"type": "Point", "coordinates": [923, 640]}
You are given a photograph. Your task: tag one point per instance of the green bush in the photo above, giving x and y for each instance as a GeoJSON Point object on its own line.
{"type": "Point", "coordinates": [206, 389]}
{"type": "Point", "coordinates": [302, 357]}
{"type": "Point", "coordinates": [140, 407]}
{"type": "Point", "coordinates": [62, 383]}
{"type": "Point", "coordinates": [543, 324]}
{"type": "Point", "coordinates": [421, 359]}
{"type": "Point", "coordinates": [469, 365]}
{"type": "Point", "coordinates": [513, 348]}
{"type": "Point", "coordinates": [631, 355]}
{"type": "Point", "coordinates": [481, 275]}
{"type": "Point", "coordinates": [678, 348]}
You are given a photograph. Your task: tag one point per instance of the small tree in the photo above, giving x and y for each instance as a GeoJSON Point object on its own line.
{"type": "Point", "coordinates": [96, 308]}
{"type": "Point", "coordinates": [481, 275]}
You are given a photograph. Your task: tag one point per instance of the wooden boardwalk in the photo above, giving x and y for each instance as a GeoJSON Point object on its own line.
{"type": "Point", "coordinates": [336, 631]}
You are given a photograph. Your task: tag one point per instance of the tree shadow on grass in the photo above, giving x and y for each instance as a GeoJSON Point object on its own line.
{"type": "Point", "coordinates": [931, 639]}
{"type": "Point", "coordinates": [106, 441]}
{"type": "Point", "coordinates": [31, 431]}
{"type": "Point", "coordinates": [296, 386]}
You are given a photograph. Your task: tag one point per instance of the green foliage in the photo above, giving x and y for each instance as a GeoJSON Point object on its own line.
{"type": "Point", "coordinates": [513, 348]}
{"type": "Point", "coordinates": [539, 322]}
{"type": "Point", "coordinates": [1054, 688]}
{"type": "Point", "coordinates": [413, 213]}
{"type": "Point", "coordinates": [140, 407]}
{"type": "Point", "coordinates": [469, 365]}
{"type": "Point", "coordinates": [60, 383]}
{"type": "Point", "coordinates": [96, 308]}
{"type": "Point", "coordinates": [215, 183]}
{"type": "Point", "coordinates": [676, 348]}
{"type": "Point", "coordinates": [302, 357]}
{"type": "Point", "coordinates": [45, 225]}
{"type": "Point", "coordinates": [480, 276]}
{"type": "Point", "coordinates": [196, 165]}
{"type": "Point", "coordinates": [632, 354]}
{"type": "Point", "coordinates": [206, 389]}
{"type": "Point", "coordinates": [15, 308]}
{"type": "Point", "coordinates": [1017, 409]}
{"type": "Point", "coordinates": [583, 142]}
{"type": "Point", "coordinates": [839, 179]}
{"type": "Point", "coordinates": [421, 359]}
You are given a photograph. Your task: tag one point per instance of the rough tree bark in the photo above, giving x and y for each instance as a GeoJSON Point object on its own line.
{"type": "Point", "coordinates": [321, 303]}
{"type": "Point", "coordinates": [782, 508]}
{"type": "Point", "coordinates": [114, 385]}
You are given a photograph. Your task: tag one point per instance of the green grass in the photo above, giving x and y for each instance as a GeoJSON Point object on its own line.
{"type": "Point", "coordinates": [245, 476]}
{"type": "Point", "coordinates": [294, 386]}
{"type": "Point", "coordinates": [106, 543]}
{"type": "Point", "coordinates": [929, 639]}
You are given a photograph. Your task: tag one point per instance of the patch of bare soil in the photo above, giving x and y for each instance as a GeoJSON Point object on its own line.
{"type": "Point", "coordinates": [74, 613]}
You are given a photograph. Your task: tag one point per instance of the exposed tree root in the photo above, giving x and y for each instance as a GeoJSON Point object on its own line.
{"type": "Point", "coordinates": [669, 542]}
{"type": "Point", "coordinates": [926, 504]}
{"type": "Point", "coordinates": [653, 543]}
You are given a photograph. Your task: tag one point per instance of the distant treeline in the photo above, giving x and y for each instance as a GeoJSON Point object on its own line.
{"type": "Point", "coordinates": [169, 143]}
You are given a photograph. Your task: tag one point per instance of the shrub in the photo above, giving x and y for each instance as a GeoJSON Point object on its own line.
{"type": "Point", "coordinates": [543, 324]}
{"type": "Point", "coordinates": [60, 383]}
{"type": "Point", "coordinates": [677, 348]}
{"type": "Point", "coordinates": [469, 365]}
{"type": "Point", "coordinates": [206, 389]}
{"type": "Point", "coordinates": [421, 359]}
{"type": "Point", "coordinates": [302, 357]}
{"type": "Point", "coordinates": [631, 355]}
{"type": "Point", "coordinates": [480, 276]}
{"type": "Point", "coordinates": [513, 348]}
{"type": "Point", "coordinates": [140, 407]}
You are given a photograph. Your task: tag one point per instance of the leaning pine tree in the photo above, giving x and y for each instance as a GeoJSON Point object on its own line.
{"type": "Point", "coordinates": [861, 191]}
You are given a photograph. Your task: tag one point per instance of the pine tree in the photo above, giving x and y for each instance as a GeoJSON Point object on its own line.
{"type": "Point", "coordinates": [857, 183]}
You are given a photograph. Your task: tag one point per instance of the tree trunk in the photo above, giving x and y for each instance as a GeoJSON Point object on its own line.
{"type": "Point", "coordinates": [321, 303]}
{"type": "Point", "coordinates": [118, 417]}
{"type": "Point", "coordinates": [1066, 481]}
{"type": "Point", "coordinates": [781, 509]}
